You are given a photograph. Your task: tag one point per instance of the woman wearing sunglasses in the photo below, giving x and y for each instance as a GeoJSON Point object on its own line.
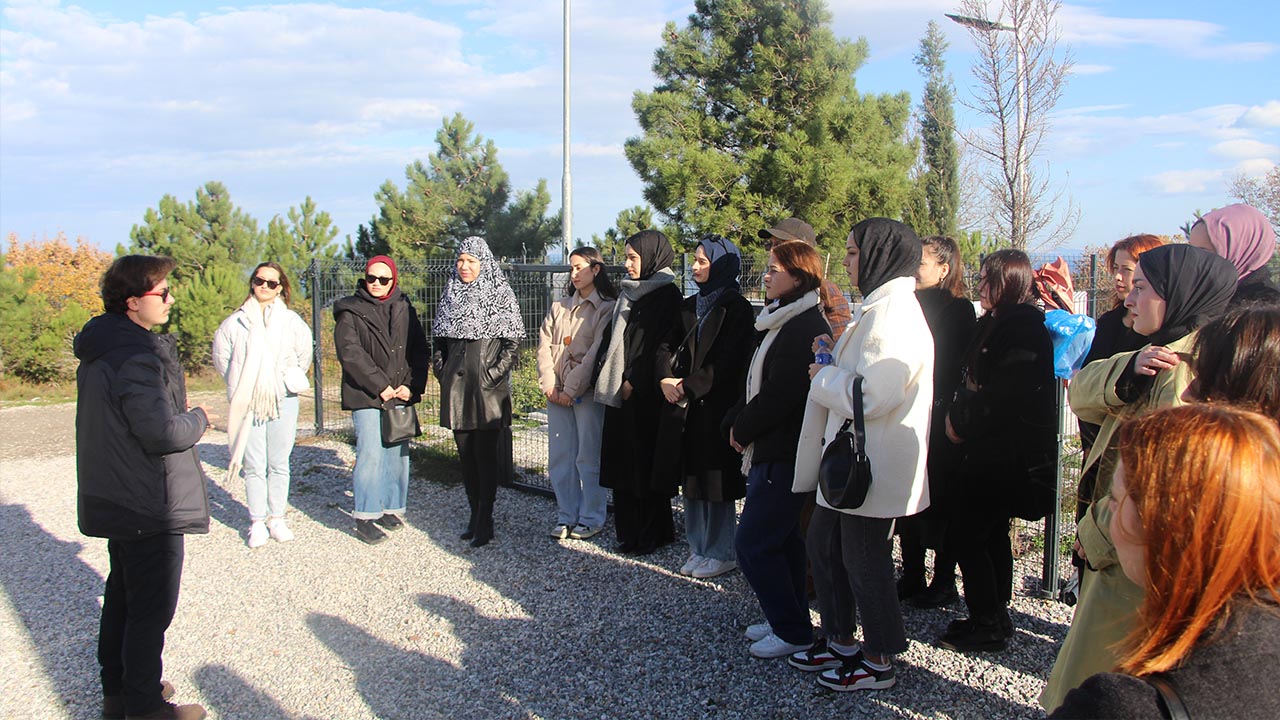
{"type": "Point", "coordinates": [262, 351]}
{"type": "Point", "coordinates": [384, 357]}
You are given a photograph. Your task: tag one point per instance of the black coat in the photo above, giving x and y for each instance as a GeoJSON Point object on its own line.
{"type": "Point", "coordinates": [773, 418]}
{"type": "Point", "coordinates": [1230, 676]}
{"type": "Point", "coordinates": [1006, 412]}
{"type": "Point", "coordinates": [713, 363]}
{"type": "Point", "coordinates": [629, 441]}
{"type": "Point", "coordinates": [1256, 287]}
{"type": "Point", "coordinates": [380, 345]}
{"type": "Point", "coordinates": [137, 468]}
{"type": "Point", "coordinates": [475, 381]}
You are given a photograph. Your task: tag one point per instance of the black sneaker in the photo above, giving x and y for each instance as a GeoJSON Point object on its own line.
{"type": "Point", "coordinates": [969, 636]}
{"type": "Point", "coordinates": [821, 657]}
{"type": "Point", "coordinates": [936, 596]}
{"type": "Point", "coordinates": [857, 676]}
{"type": "Point", "coordinates": [370, 533]}
{"type": "Point", "coordinates": [390, 522]}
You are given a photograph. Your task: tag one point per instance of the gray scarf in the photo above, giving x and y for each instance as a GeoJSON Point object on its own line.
{"type": "Point", "coordinates": [609, 384]}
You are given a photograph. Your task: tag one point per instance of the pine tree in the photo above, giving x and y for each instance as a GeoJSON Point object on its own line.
{"type": "Point", "coordinates": [756, 117]}
{"type": "Point", "coordinates": [941, 189]}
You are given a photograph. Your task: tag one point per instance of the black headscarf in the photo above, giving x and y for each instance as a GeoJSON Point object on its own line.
{"type": "Point", "coordinates": [654, 250]}
{"type": "Point", "coordinates": [726, 263]}
{"type": "Point", "coordinates": [1196, 286]}
{"type": "Point", "coordinates": [887, 249]}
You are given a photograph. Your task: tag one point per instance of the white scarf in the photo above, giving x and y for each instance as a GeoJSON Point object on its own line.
{"type": "Point", "coordinates": [771, 318]}
{"type": "Point", "coordinates": [258, 390]}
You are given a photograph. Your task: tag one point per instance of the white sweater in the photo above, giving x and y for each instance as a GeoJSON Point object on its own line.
{"type": "Point", "coordinates": [890, 346]}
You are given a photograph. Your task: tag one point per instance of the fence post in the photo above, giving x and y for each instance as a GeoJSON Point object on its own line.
{"type": "Point", "coordinates": [1049, 570]}
{"type": "Point", "coordinates": [317, 346]}
{"type": "Point", "coordinates": [1093, 285]}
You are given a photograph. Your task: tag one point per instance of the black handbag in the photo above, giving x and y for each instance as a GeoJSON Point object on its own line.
{"type": "Point", "coordinates": [845, 473]}
{"type": "Point", "coordinates": [399, 423]}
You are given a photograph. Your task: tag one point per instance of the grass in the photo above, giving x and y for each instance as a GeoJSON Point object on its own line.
{"type": "Point", "coordinates": [15, 392]}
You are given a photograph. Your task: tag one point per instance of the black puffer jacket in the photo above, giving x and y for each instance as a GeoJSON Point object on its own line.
{"type": "Point", "coordinates": [136, 464]}
{"type": "Point", "coordinates": [379, 344]}
{"type": "Point", "coordinates": [475, 381]}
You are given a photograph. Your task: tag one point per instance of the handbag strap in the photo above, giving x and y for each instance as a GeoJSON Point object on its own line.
{"type": "Point", "coordinates": [859, 425]}
{"type": "Point", "coordinates": [1172, 702]}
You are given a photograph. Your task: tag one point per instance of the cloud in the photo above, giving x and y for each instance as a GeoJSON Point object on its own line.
{"type": "Point", "coordinates": [1084, 69]}
{"type": "Point", "coordinates": [1184, 182]}
{"type": "Point", "coordinates": [1262, 116]}
{"type": "Point", "coordinates": [1084, 130]}
{"type": "Point", "coordinates": [1255, 168]}
{"type": "Point", "coordinates": [1244, 149]}
{"type": "Point", "coordinates": [1082, 26]}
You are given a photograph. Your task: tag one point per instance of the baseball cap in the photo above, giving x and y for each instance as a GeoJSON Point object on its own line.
{"type": "Point", "coordinates": [791, 229]}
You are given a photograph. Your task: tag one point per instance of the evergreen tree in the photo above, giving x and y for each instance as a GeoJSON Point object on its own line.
{"type": "Point", "coordinates": [939, 181]}
{"type": "Point", "coordinates": [756, 117]}
{"type": "Point", "coordinates": [307, 236]}
{"type": "Point", "coordinates": [629, 222]}
{"type": "Point", "coordinates": [523, 229]}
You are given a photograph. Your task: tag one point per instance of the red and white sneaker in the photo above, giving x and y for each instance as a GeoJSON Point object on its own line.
{"type": "Point", "coordinates": [857, 676]}
{"type": "Point", "coordinates": [821, 657]}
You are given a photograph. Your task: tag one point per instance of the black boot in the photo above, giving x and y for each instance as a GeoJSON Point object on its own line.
{"type": "Point", "coordinates": [484, 526]}
{"type": "Point", "coordinates": [980, 634]}
{"type": "Point", "coordinates": [368, 532]}
{"type": "Point", "coordinates": [470, 532]}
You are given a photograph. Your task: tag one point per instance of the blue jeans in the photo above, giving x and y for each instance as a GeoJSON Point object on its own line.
{"type": "Point", "coordinates": [574, 463]}
{"type": "Point", "coordinates": [852, 558]}
{"type": "Point", "coordinates": [709, 525]}
{"type": "Point", "coordinates": [771, 550]}
{"type": "Point", "coordinates": [381, 475]}
{"type": "Point", "coordinates": [266, 461]}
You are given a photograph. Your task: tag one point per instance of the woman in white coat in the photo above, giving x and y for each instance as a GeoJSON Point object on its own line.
{"type": "Point", "coordinates": [262, 351]}
{"type": "Point", "coordinates": [889, 346]}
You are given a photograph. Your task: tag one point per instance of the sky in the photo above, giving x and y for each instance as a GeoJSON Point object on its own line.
{"type": "Point", "coordinates": [105, 107]}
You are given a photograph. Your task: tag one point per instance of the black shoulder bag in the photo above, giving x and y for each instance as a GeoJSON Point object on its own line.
{"type": "Point", "coordinates": [845, 473]}
{"type": "Point", "coordinates": [399, 423]}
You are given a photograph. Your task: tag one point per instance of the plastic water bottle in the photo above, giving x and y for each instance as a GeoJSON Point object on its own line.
{"type": "Point", "coordinates": [823, 356]}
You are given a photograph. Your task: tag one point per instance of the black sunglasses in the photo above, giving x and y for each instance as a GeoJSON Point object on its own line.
{"type": "Point", "coordinates": [271, 284]}
{"type": "Point", "coordinates": [374, 279]}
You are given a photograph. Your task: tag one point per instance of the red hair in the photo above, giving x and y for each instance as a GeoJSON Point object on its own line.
{"type": "Point", "coordinates": [1135, 245]}
{"type": "Point", "coordinates": [804, 264]}
{"type": "Point", "coordinates": [1205, 481]}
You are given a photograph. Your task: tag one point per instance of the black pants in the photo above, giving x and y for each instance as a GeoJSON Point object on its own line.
{"type": "Point", "coordinates": [137, 607]}
{"type": "Point", "coordinates": [913, 555]}
{"type": "Point", "coordinates": [644, 522]}
{"type": "Point", "coordinates": [478, 450]}
{"type": "Point", "coordinates": [980, 542]}
{"type": "Point", "coordinates": [770, 550]}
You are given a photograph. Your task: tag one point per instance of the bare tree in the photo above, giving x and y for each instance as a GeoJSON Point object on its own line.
{"type": "Point", "coordinates": [1021, 76]}
{"type": "Point", "coordinates": [1262, 193]}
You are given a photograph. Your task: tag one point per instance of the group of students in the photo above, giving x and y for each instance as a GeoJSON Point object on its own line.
{"type": "Point", "coordinates": [650, 393]}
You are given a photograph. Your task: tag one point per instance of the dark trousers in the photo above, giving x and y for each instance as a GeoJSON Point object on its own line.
{"type": "Point", "coordinates": [137, 606]}
{"type": "Point", "coordinates": [981, 544]}
{"type": "Point", "coordinates": [478, 451]}
{"type": "Point", "coordinates": [852, 560]}
{"type": "Point", "coordinates": [644, 521]}
{"type": "Point", "coordinates": [913, 554]}
{"type": "Point", "coordinates": [770, 549]}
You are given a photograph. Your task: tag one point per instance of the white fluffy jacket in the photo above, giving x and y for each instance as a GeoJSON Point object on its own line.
{"type": "Point", "coordinates": [890, 346]}
{"type": "Point", "coordinates": [231, 346]}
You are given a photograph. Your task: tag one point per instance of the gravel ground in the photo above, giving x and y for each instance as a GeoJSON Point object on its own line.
{"type": "Point", "coordinates": [424, 626]}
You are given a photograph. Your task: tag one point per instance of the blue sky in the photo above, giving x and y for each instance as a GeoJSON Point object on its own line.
{"type": "Point", "coordinates": [107, 106]}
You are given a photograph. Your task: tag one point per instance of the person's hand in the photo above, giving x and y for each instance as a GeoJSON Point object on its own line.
{"type": "Point", "coordinates": [734, 442]}
{"type": "Point", "coordinates": [1079, 550]}
{"type": "Point", "coordinates": [212, 417]}
{"type": "Point", "coordinates": [562, 398]}
{"type": "Point", "coordinates": [551, 395]}
{"type": "Point", "coordinates": [387, 393]}
{"type": "Point", "coordinates": [626, 389]}
{"type": "Point", "coordinates": [824, 338]}
{"type": "Point", "coordinates": [672, 389]}
{"type": "Point", "coordinates": [814, 369]}
{"type": "Point", "coordinates": [951, 432]}
{"type": "Point", "coordinates": [403, 393]}
{"type": "Point", "coordinates": [1154, 359]}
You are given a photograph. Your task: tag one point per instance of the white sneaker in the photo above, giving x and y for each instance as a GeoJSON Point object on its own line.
{"type": "Point", "coordinates": [758, 631]}
{"type": "Point", "coordinates": [772, 646]}
{"type": "Point", "coordinates": [280, 531]}
{"type": "Point", "coordinates": [560, 531]}
{"type": "Point", "coordinates": [694, 561]}
{"type": "Point", "coordinates": [713, 567]}
{"type": "Point", "coordinates": [583, 532]}
{"type": "Point", "coordinates": [258, 534]}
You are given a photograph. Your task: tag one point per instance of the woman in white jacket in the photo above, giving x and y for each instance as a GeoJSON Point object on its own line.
{"type": "Point", "coordinates": [889, 345]}
{"type": "Point", "coordinates": [262, 351]}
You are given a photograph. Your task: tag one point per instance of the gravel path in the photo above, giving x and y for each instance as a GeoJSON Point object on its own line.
{"type": "Point", "coordinates": [423, 626]}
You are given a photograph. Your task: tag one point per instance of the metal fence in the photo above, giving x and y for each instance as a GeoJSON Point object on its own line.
{"type": "Point", "coordinates": [538, 285]}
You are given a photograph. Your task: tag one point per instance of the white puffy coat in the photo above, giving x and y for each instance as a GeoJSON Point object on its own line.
{"type": "Point", "coordinates": [231, 345]}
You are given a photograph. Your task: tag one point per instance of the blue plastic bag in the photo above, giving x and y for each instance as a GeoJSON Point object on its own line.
{"type": "Point", "coordinates": [1072, 337]}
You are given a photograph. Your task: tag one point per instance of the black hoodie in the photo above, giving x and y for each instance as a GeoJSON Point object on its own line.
{"type": "Point", "coordinates": [136, 464]}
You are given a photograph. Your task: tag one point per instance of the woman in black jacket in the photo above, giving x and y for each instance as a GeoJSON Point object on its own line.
{"type": "Point", "coordinates": [703, 363]}
{"type": "Point", "coordinates": [1004, 419]}
{"type": "Point", "coordinates": [765, 426]}
{"type": "Point", "coordinates": [627, 384]}
{"type": "Point", "coordinates": [384, 358]}
{"type": "Point", "coordinates": [940, 290]}
{"type": "Point", "coordinates": [477, 333]}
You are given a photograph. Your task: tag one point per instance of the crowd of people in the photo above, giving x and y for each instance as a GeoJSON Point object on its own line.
{"type": "Point", "coordinates": [651, 394]}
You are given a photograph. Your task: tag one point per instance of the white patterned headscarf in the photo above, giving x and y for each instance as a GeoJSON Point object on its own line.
{"type": "Point", "coordinates": [483, 308]}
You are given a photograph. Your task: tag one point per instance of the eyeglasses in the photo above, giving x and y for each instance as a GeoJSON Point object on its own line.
{"type": "Point", "coordinates": [163, 294]}
{"type": "Point", "coordinates": [374, 279]}
{"type": "Point", "coordinates": [271, 284]}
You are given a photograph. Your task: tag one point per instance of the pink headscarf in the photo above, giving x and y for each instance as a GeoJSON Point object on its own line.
{"type": "Point", "coordinates": [395, 274]}
{"type": "Point", "coordinates": [1241, 234]}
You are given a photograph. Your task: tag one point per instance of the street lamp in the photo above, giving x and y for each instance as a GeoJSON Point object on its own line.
{"type": "Point", "coordinates": [566, 184]}
{"type": "Point", "coordinates": [1017, 230]}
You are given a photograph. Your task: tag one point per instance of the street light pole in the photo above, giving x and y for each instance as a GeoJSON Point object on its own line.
{"type": "Point", "coordinates": [566, 184]}
{"type": "Point", "coordinates": [1017, 227]}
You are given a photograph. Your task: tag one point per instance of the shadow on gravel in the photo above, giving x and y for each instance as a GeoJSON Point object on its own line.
{"type": "Point", "coordinates": [55, 594]}
{"type": "Point", "coordinates": [958, 700]}
{"type": "Point", "coordinates": [399, 683]}
{"type": "Point", "coordinates": [228, 696]}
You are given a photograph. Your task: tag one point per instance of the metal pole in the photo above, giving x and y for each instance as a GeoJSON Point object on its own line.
{"type": "Point", "coordinates": [1049, 570]}
{"type": "Point", "coordinates": [566, 187]}
{"type": "Point", "coordinates": [317, 382]}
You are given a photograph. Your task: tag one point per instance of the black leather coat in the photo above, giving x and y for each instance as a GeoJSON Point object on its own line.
{"type": "Point", "coordinates": [475, 381]}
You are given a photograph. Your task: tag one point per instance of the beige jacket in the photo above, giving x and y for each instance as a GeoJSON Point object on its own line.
{"type": "Point", "coordinates": [569, 340]}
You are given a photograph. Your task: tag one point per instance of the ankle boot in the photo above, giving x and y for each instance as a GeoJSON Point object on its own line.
{"type": "Point", "coordinates": [484, 527]}
{"type": "Point", "coordinates": [113, 705]}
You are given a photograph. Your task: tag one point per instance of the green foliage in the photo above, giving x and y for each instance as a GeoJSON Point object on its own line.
{"type": "Point", "coordinates": [939, 183]}
{"type": "Point", "coordinates": [36, 335]}
{"type": "Point", "coordinates": [526, 391]}
{"type": "Point", "coordinates": [974, 245]}
{"type": "Point", "coordinates": [756, 117]}
{"type": "Point", "coordinates": [629, 222]}
{"type": "Point", "coordinates": [308, 235]}
{"type": "Point", "coordinates": [461, 190]}
{"type": "Point", "coordinates": [200, 305]}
